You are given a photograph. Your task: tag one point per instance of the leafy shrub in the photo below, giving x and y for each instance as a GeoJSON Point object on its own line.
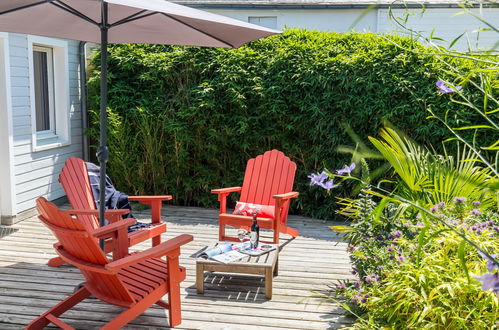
{"type": "Point", "coordinates": [437, 292]}
{"type": "Point", "coordinates": [416, 274]}
{"type": "Point", "coordinates": [185, 120]}
{"type": "Point", "coordinates": [410, 248]}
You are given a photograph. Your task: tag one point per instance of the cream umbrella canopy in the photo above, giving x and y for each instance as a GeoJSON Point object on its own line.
{"type": "Point", "coordinates": [124, 21]}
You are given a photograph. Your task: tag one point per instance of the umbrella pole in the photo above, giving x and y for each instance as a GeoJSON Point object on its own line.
{"type": "Point", "coordinates": [103, 152]}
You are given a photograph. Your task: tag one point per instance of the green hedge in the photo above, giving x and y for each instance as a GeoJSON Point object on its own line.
{"type": "Point", "coordinates": [184, 120]}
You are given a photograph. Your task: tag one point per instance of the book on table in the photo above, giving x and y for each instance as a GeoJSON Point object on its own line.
{"type": "Point", "coordinates": [228, 252]}
{"type": "Point", "coordinates": [222, 252]}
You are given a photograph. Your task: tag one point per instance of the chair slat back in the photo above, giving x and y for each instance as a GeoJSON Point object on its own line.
{"type": "Point", "coordinates": [76, 240]}
{"type": "Point", "coordinates": [75, 182]}
{"type": "Point", "coordinates": [267, 175]}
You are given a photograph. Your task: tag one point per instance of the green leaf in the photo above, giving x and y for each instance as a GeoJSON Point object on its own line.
{"type": "Point", "coordinates": [421, 243]}
{"type": "Point", "coordinates": [460, 253]}
{"type": "Point", "coordinates": [472, 127]}
{"type": "Point", "coordinates": [456, 39]}
{"type": "Point", "coordinates": [343, 229]}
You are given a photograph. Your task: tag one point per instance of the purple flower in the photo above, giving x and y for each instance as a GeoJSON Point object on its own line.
{"type": "Point", "coordinates": [347, 170]}
{"type": "Point", "coordinates": [496, 228]}
{"type": "Point", "coordinates": [317, 179]}
{"type": "Point", "coordinates": [397, 234]}
{"type": "Point", "coordinates": [474, 228]}
{"type": "Point", "coordinates": [351, 248]}
{"type": "Point", "coordinates": [364, 299]}
{"type": "Point", "coordinates": [390, 249]}
{"type": "Point", "coordinates": [381, 266]}
{"type": "Point", "coordinates": [401, 259]}
{"type": "Point", "coordinates": [476, 203]}
{"type": "Point", "coordinates": [328, 185]}
{"type": "Point", "coordinates": [342, 287]}
{"type": "Point", "coordinates": [367, 279]}
{"type": "Point", "coordinates": [475, 212]}
{"type": "Point", "coordinates": [437, 206]}
{"type": "Point", "coordinates": [444, 89]}
{"type": "Point", "coordinates": [490, 263]}
{"type": "Point", "coordinates": [489, 281]}
{"type": "Point", "coordinates": [356, 285]}
{"type": "Point", "coordinates": [356, 298]}
{"type": "Point", "coordinates": [459, 200]}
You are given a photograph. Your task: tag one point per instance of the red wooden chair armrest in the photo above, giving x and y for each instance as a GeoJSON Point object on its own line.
{"type": "Point", "coordinates": [281, 199]}
{"type": "Point", "coordinates": [95, 212]}
{"type": "Point", "coordinates": [109, 230]}
{"type": "Point", "coordinates": [111, 215]}
{"type": "Point", "coordinates": [156, 202]}
{"type": "Point", "coordinates": [222, 196]}
{"type": "Point", "coordinates": [150, 198]}
{"type": "Point", "coordinates": [289, 195]}
{"type": "Point", "coordinates": [226, 190]}
{"type": "Point", "coordinates": [155, 252]}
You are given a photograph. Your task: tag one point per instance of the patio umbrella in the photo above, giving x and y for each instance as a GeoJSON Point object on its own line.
{"type": "Point", "coordinates": [124, 21]}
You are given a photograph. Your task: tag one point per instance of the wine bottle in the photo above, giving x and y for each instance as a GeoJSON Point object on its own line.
{"type": "Point", "coordinates": [255, 233]}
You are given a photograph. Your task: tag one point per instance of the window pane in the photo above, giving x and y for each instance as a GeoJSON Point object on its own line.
{"type": "Point", "coordinates": [265, 21]}
{"type": "Point", "coordinates": [42, 103]}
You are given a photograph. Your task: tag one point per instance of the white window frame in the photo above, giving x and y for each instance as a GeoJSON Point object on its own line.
{"type": "Point", "coordinates": [59, 133]}
{"type": "Point", "coordinates": [51, 132]}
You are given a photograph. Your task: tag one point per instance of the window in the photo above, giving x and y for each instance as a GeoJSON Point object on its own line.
{"type": "Point", "coordinates": [265, 21]}
{"type": "Point", "coordinates": [49, 92]}
{"type": "Point", "coordinates": [43, 71]}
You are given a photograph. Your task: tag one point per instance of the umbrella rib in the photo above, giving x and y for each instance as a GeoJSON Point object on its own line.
{"type": "Point", "coordinates": [132, 17]}
{"type": "Point", "coordinates": [203, 32]}
{"type": "Point", "coordinates": [71, 10]}
{"type": "Point", "coordinates": [25, 7]}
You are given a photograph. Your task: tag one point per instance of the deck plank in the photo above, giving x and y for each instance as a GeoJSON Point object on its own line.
{"type": "Point", "coordinates": [311, 262]}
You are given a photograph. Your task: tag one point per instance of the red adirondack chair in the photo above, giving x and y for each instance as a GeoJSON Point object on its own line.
{"type": "Point", "coordinates": [75, 182]}
{"type": "Point", "coordinates": [268, 180]}
{"type": "Point", "coordinates": [134, 282]}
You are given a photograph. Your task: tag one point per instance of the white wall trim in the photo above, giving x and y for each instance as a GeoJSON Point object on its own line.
{"type": "Point", "coordinates": [7, 179]}
{"type": "Point", "coordinates": [61, 90]}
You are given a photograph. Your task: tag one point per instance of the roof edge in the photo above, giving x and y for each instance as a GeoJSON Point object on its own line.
{"type": "Point", "coordinates": [198, 5]}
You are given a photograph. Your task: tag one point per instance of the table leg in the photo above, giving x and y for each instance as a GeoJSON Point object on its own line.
{"type": "Point", "coordinates": [268, 282]}
{"type": "Point", "coordinates": [199, 278]}
{"type": "Point", "coordinates": [276, 267]}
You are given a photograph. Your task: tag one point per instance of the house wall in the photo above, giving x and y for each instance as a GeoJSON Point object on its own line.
{"type": "Point", "coordinates": [35, 170]}
{"type": "Point", "coordinates": [7, 194]}
{"type": "Point", "coordinates": [447, 25]}
{"type": "Point", "coordinates": [443, 20]}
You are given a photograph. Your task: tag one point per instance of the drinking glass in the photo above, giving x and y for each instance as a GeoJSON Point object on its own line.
{"type": "Point", "coordinates": [241, 234]}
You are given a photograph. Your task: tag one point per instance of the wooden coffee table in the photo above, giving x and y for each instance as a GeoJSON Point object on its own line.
{"type": "Point", "coordinates": [265, 264]}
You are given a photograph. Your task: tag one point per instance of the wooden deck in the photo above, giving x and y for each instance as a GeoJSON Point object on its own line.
{"type": "Point", "coordinates": [308, 263]}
